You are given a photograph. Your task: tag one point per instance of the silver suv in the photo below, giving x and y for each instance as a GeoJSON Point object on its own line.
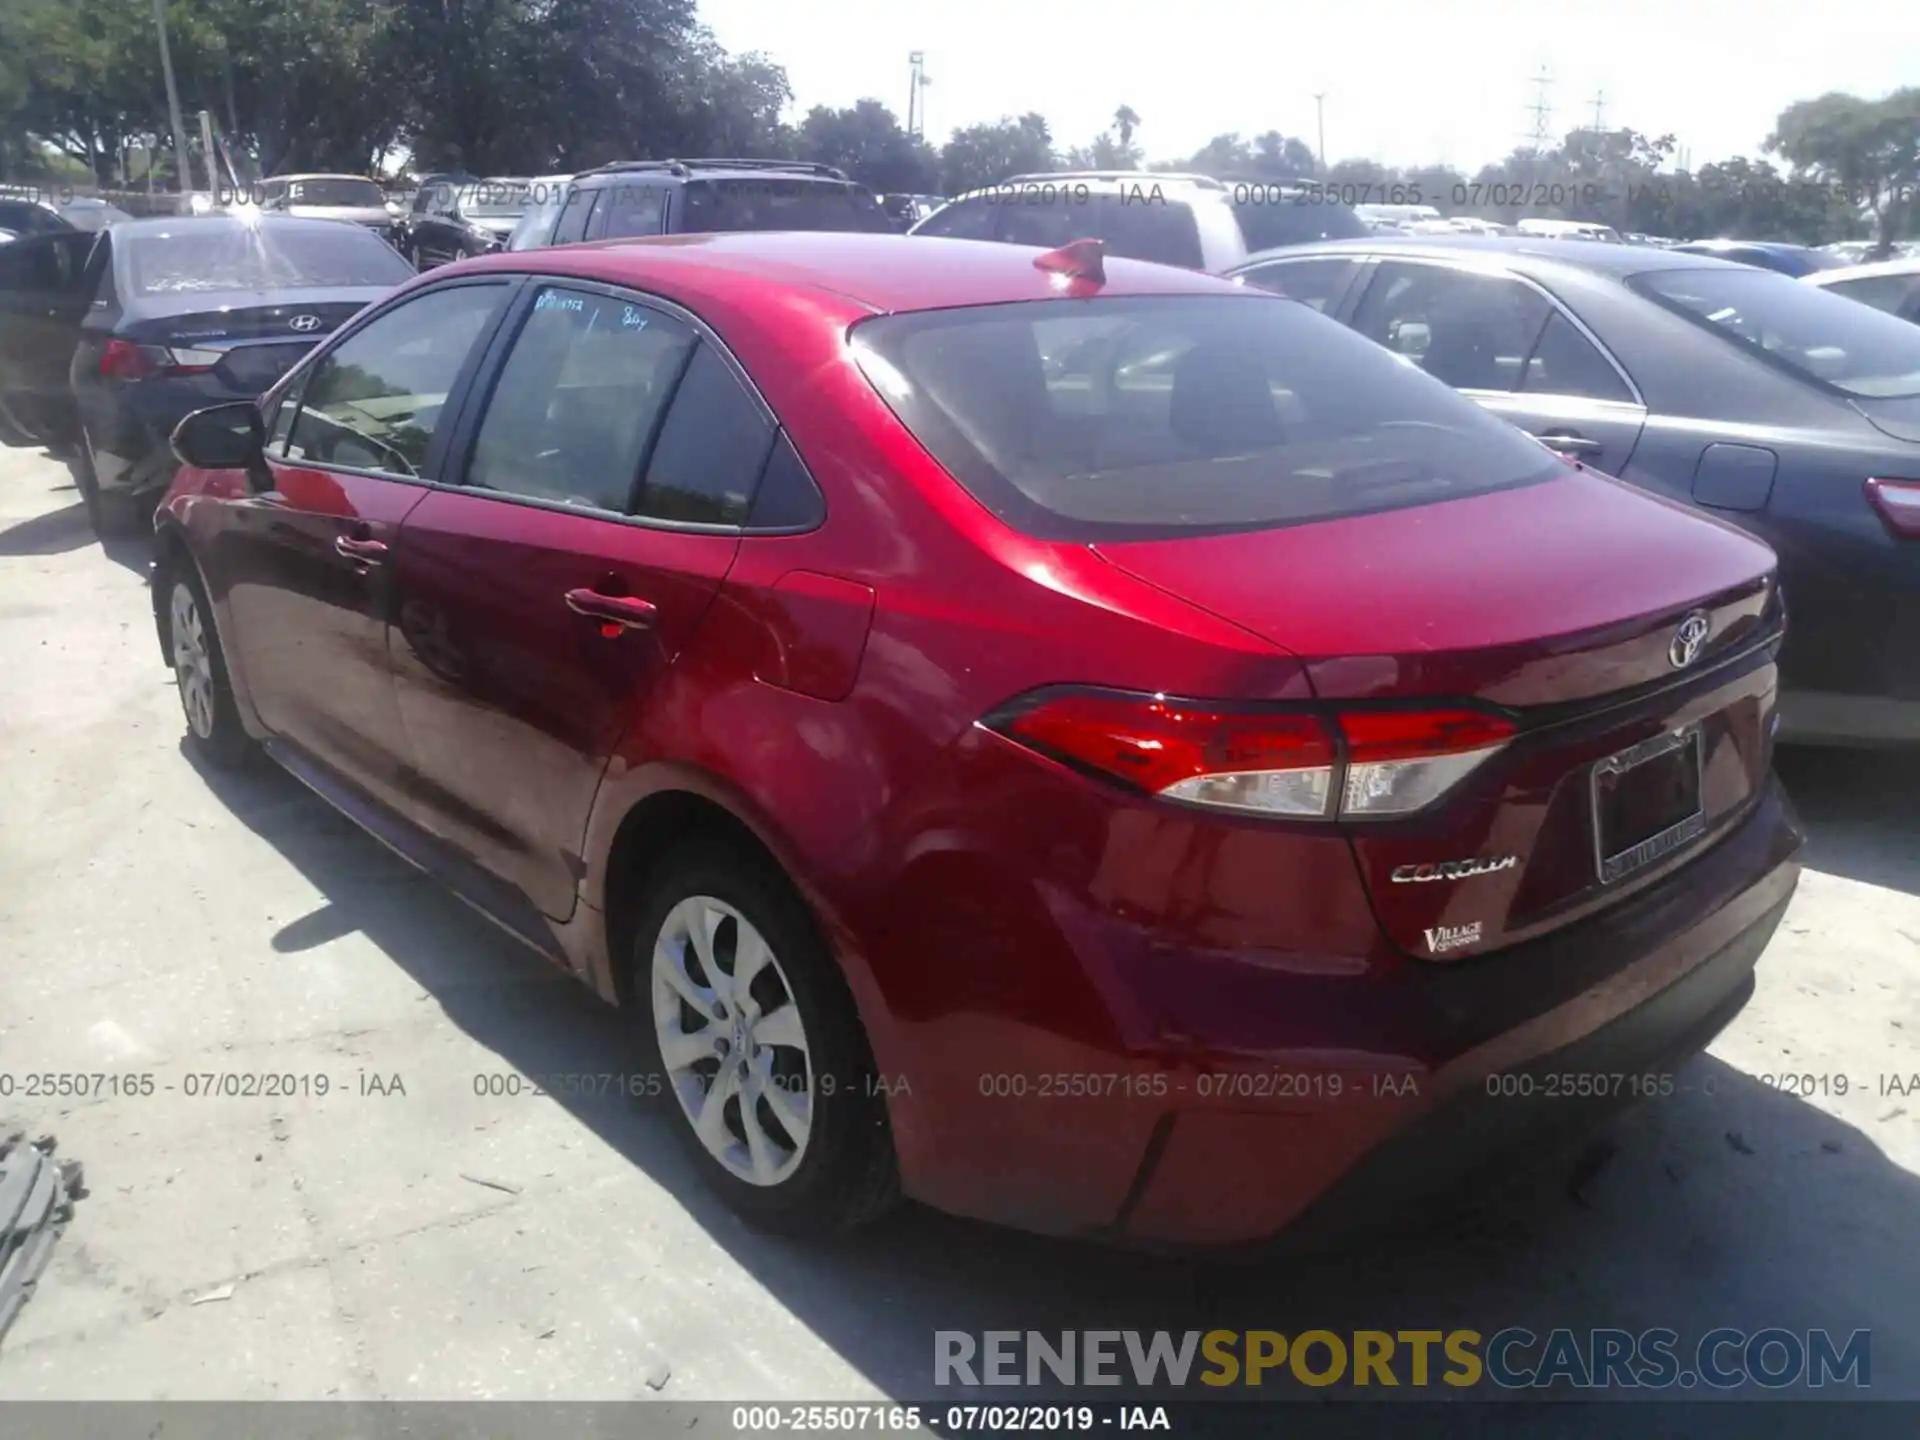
{"type": "Point", "coordinates": [1196, 221]}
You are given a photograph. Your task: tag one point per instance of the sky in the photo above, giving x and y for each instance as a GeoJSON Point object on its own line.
{"type": "Point", "coordinates": [1404, 83]}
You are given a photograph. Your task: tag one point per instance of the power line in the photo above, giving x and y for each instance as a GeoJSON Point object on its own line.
{"type": "Point", "coordinates": [1541, 134]}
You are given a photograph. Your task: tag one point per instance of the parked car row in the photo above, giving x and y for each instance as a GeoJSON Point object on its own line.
{"type": "Point", "coordinates": [109, 338]}
{"type": "Point", "coordinates": [902, 672]}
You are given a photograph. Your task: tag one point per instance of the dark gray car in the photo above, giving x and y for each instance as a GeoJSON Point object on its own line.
{"type": "Point", "coordinates": [108, 340]}
{"type": "Point", "coordinates": [1789, 411]}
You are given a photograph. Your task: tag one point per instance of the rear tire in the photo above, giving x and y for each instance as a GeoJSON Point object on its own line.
{"type": "Point", "coordinates": [114, 514]}
{"type": "Point", "coordinates": [797, 1139]}
{"type": "Point", "coordinates": [214, 731]}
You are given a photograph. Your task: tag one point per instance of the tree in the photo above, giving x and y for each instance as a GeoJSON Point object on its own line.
{"type": "Point", "coordinates": [313, 86]}
{"type": "Point", "coordinates": [1283, 157]}
{"type": "Point", "coordinates": [1112, 149]}
{"type": "Point", "coordinates": [737, 101]}
{"type": "Point", "coordinates": [1866, 152]}
{"type": "Point", "coordinates": [983, 155]}
{"type": "Point", "coordinates": [867, 142]}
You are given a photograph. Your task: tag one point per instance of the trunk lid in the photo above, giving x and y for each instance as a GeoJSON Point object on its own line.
{"type": "Point", "coordinates": [259, 339]}
{"type": "Point", "coordinates": [1561, 605]}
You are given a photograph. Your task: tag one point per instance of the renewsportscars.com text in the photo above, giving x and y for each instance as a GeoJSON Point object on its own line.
{"type": "Point", "coordinates": [1514, 1358]}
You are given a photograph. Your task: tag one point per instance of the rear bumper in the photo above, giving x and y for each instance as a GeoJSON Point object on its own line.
{"type": "Point", "coordinates": [1520, 1113]}
{"type": "Point", "coordinates": [1633, 994]}
{"type": "Point", "coordinates": [130, 429]}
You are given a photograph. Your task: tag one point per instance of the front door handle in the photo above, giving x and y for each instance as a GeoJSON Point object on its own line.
{"type": "Point", "coordinates": [367, 552]}
{"type": "Point", "coordinates": [1568, 442]}
{"type": "Point", "coordinates": [625, 611]}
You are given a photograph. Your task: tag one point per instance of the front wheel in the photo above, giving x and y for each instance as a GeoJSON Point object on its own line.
{"type": "Point", "coordinates": [760, 1049]}
{"type": "Point", "coordinates": [214, 730]}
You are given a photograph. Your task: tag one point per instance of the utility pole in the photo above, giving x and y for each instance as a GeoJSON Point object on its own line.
{"type": "Point", "coordinates": [1541, 135]}
{"type": "Point", "coordinates": [916, 94]}
{"type": "Point", "coordinates": [1600, 113]}
{"type": "Point", "coordinates": [1320, 115]}
{"type": "Point", "coordinates": [173, 100]}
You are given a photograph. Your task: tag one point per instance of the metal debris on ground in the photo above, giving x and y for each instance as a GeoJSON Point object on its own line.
{"type": "Point", "coordinates": [36, 1202]}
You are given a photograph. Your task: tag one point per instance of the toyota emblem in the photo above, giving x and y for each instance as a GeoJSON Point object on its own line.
{"type": "Point", "coordinates": [1687, 640]}
{"type": "Point", "coordinates": [304, 323]}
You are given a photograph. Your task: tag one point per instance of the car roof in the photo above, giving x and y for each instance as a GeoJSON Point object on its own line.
{"type": "Point", "coordinates": [1900, 265]}
{"type": "Point", "coordinates": [711, 167]}
{"type": "Point", "coordinates": [1772, 247]}
{"type": "Point", "coordinates": [1522, 251]}
{"type": "Point", "coordinates": [879, 272]}
{"type": "Point", "coordinates": [1104, 181]}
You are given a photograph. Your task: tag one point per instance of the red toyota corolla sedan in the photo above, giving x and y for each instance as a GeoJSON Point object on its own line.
{"type": "Point", "coordinates": [1074, 742]}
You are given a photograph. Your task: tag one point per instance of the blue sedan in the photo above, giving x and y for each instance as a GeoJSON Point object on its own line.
{"type": "Point", "coordinates": [1787, 410]}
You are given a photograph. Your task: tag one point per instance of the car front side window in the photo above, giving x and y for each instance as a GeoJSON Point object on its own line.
{"type": "Point", "coordinates": [376, 399]}
{"type": "Point", "coordinates": [1470, 330]}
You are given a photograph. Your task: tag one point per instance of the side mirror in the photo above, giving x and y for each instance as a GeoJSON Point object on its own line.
{"type": "Point", "coordinates": [222, 437]}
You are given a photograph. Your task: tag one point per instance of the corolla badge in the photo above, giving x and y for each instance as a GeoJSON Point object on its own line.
{"type": "Point", "coordinates": [1684, 648]}
{"type": "Point", "coordinates": [305, 324]}
{"type": "Point", "coordinates": [1453, 869]}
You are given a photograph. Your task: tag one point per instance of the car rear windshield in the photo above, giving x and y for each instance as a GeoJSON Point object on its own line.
{"type": "Point", "coordinates": [1135, 417]}
{"type": "Point", "coordinates": [214, 257]}
{"type": "Point", "coordinates": [1833, 341]}
{"type": "Point", "coordinates": [1139, 223]}
{"type": "Point", "coordinates": [500, 199]}
{"type": "Point", "coordinates": [358, 193]}
{"type": "Point", "coordinates": [1271, 216]}
{"type": "Point", "coordinates": [762, 202]}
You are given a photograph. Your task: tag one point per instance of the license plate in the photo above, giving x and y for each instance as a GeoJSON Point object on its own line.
{"type": "Point", "coordinates": [1646, 803]}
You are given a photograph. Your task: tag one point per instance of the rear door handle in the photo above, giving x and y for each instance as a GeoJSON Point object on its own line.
{"type": "Point", "coordinates": [1569, 443]}
{"type": "Point", "coordinates": [368, 552]}
{"type": "Point", "coordinates": [626, 611]}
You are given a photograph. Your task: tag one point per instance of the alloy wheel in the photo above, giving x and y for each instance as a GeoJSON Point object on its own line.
{"type": "Point", "coordinates": [732, 1040]}
{"type": "Point", "coordinates": [192, 661]}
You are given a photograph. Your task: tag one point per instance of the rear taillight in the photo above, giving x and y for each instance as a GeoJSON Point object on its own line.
{"type": "Point", "coordinates": [124, 360]}
{"type": "Point", "coordinates": [1898, 502]}
{"type": "Point", "coordinates": [1346, 763]}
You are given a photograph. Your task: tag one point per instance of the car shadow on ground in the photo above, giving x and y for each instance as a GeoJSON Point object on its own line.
{"type": "Point", "coordinates": [1863, 808]}
{"type": "Point", "coordinates": [1729, 1203]}
{"type": "Point", "coordinates": [62, 531]}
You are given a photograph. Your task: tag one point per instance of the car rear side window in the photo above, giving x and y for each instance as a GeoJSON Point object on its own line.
{"type": "Point", "coordinates": [1134, 226]}
{"type": "Point", "coordinates": [535, 228]}
{"type": "Point", "coordinates": [375, 400]}
{"type": "Point", "coordinates": [572, 225]}
{"type": "Point", "coordinates": [578, 399]}
{"type": "Point", "coordinates": [962, 220]}
{"type": "Point", "coordinates": [711, 450]}
{"type": "Point", "coordinates": [629, 210]}
{"type": "Point", "coordinates": [1854, 349]}
{"type": "Point", "coordinates": [1271, 217]}
{"type": "Point", "coordinates": [1565, 362]}
{"type": "Point", "coordinates": [1132, 417]}
{"type": "Point", "coordinates": [780, 203]}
